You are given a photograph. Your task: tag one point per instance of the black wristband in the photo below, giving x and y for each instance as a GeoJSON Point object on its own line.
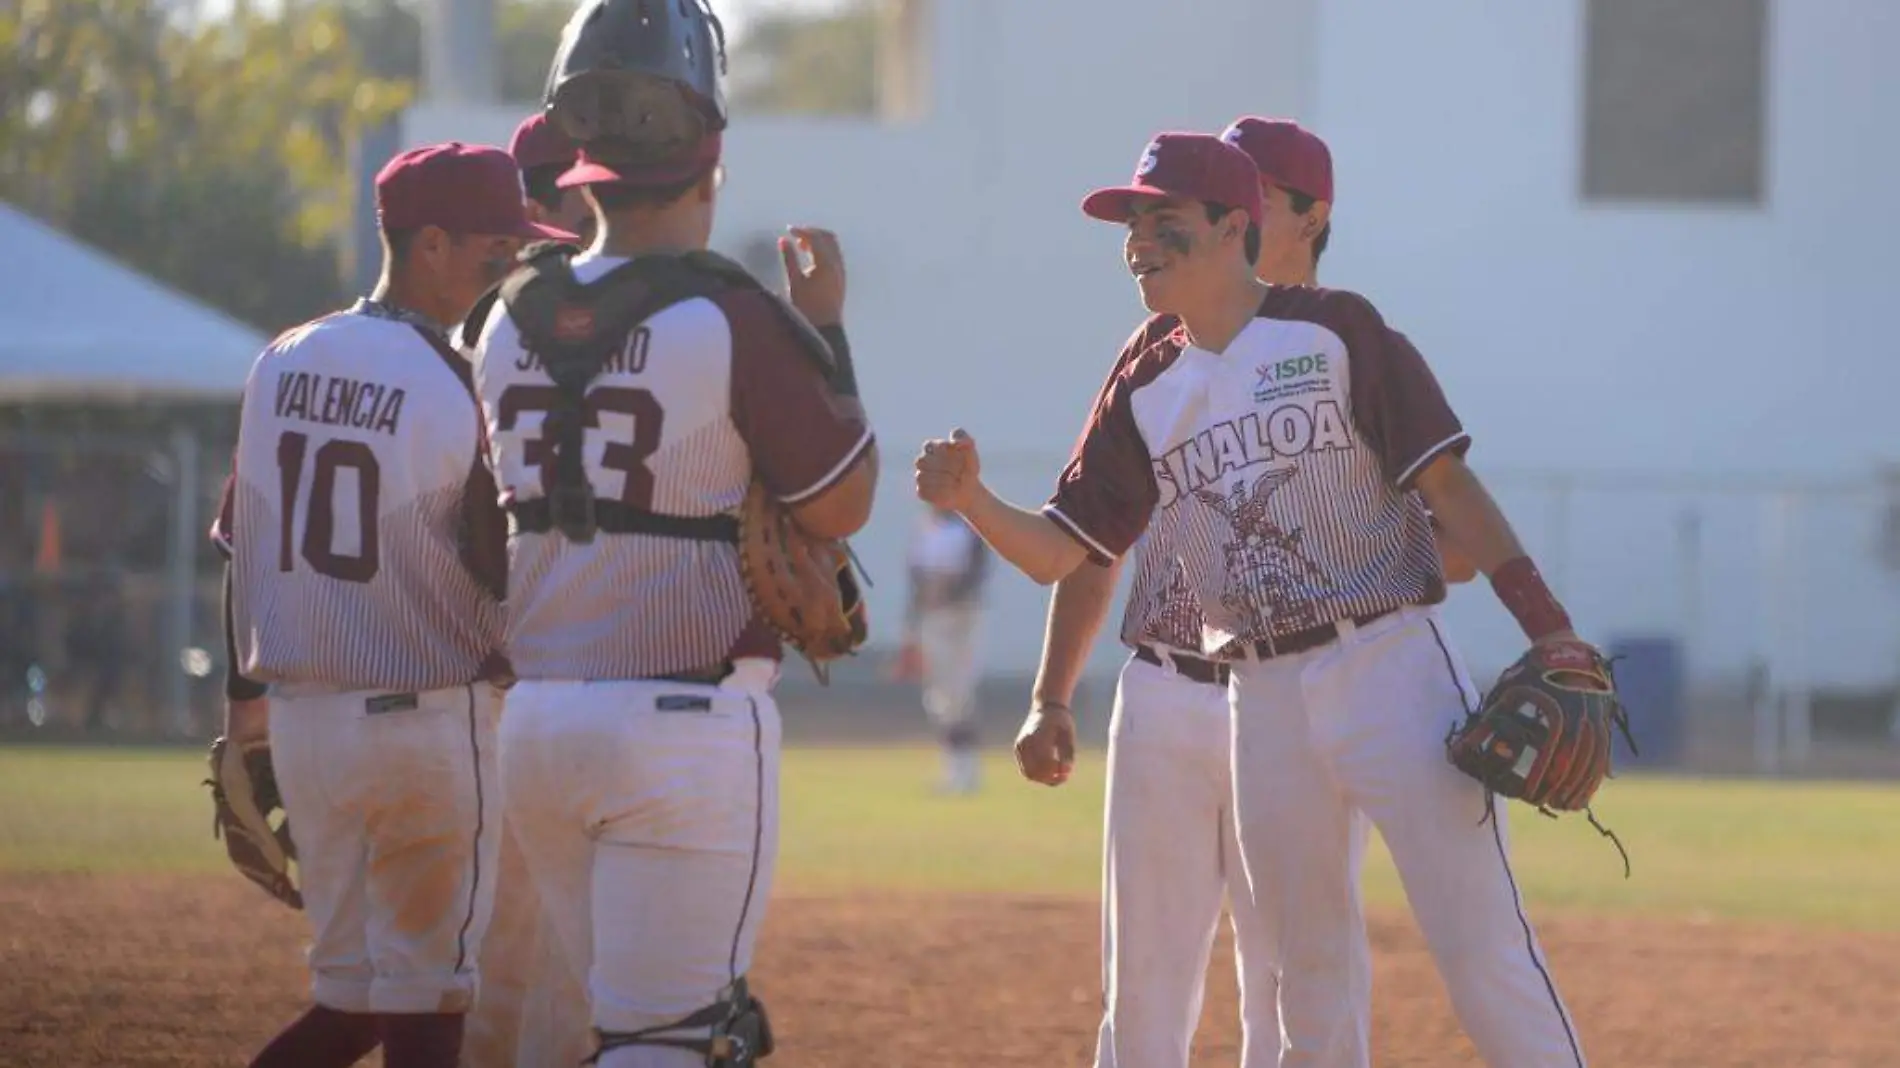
{"type": "Point", "coordinates": [844, 377]}
{"type": "Point", "coordinates": [236, 686]}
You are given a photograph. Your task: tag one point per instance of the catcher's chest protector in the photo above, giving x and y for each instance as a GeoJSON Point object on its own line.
{"type": "Point", "coordinates": [803, 587]}
{"type": "Point", "coordinates": [575, 328]}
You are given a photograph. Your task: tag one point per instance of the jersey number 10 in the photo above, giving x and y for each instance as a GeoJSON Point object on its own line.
{"type": "Point", "coordinates": [319, 528]}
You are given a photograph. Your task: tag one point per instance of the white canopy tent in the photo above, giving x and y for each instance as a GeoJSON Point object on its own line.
{"type": "Point", "coordinates": [73, 319]}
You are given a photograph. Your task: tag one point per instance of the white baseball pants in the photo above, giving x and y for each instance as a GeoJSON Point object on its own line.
{"type": "Point", "coordinates": [530, 1009]}
{"type": "Point", "coordinates": [395, 808]}
{"type": "Point", "coordinates": [1169, 861]}
{"type": "Point", "coordinates": [1360, 723]}
{"type": "Point", "coordinates": [647, 813]}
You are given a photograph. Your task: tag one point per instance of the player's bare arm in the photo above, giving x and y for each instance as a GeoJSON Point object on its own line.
{"type": "Point", "coordinates": [814, 273]}
{"type": "Point", "coordinates": [949, 475]}
{"type": "Point", "coordinates": [815, 283]}
{"type": "Point", "coordinates": [246, 719]}
{"type": "Point", "coordinates": [1455, 562]}
{"type": "Point", "coordinates": [1460, 503]}
{"type": "Point", "coordinates": [1045, 746]}
{"type": "Point", "coordinates": [844, 508]}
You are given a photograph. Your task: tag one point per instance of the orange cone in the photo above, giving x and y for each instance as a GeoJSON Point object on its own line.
{"type": "Point", "coordinates": [46, 560]}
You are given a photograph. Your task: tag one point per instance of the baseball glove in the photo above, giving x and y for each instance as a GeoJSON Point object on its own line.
{"type": "Point", "coordinates": [1543, 734]}
{"type": "Point", "coordinates": [243, 796]}
{"type": "Point", "coordinates": [805, 587]}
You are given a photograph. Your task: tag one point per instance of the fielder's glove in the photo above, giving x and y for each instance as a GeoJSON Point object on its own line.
{"type": "Point", "coordinates": [243, 796]}
{"type": "Point", "coordinates": [1543, 734]}
{"type": "Point", "coordinates": [803, 586]}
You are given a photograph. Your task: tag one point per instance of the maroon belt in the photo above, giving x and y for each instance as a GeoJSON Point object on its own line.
{"type": "Point", "coordinates": [1216, 672]}
{"type": "Point", "coordinates": [1189, 667]}
{"type": "Point", "coordinates": [1301, 641]}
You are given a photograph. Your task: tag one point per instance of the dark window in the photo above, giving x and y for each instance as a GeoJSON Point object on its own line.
{"type": "Point", "coordinates": [1675, 100]}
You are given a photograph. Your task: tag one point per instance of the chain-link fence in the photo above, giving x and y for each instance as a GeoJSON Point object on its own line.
{"type": "Point", "coordinates": [109, 589]}
{"type": "Point", "coordinates": [1761, 617]}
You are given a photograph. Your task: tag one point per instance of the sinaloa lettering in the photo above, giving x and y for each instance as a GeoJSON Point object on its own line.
{"type": "Point", "coordinates": [1164, 481]}
{"type": "Point", "coordinates": [1282, 433]}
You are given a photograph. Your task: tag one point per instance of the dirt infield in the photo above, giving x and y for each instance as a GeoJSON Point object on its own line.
{"type": "Point", "coordinates": [134, 972]}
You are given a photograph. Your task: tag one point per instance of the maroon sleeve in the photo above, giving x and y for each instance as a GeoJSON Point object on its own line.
{"type": "Point", "coordinates": [802, 436]}
{"type": "Point", "coordinates": [1107, 493]}
{"type": "Point", "coordinates": [1146, 335]}
{"type": "Point", "coordinates": [1396, 400]}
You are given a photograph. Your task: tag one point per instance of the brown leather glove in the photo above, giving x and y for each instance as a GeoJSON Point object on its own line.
{"type": "Point", "coordinates": [243, 796]}
{"type": "Point", "coordinates": [803, 586]}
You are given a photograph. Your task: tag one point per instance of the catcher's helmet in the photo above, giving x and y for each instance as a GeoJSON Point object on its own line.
{"type": "Point", "coordinates": [646, 75]}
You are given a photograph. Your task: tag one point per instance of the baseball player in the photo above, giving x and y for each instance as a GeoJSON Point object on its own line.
{"type": "Point", "coordinates": [1168, 756]}
{"type": "Point", "coordinates": [544, 153]}
{"type": "Point", "coordinates": [633, 396]}
{"type": "Point", "coordinates": [1288, 442]}
{"type": "Point", "coordinates": [949, 569]}
{"type": "Point", "coordinates": [366, 569]}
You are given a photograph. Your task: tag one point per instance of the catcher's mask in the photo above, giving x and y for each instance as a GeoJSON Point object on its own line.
{"type": "Point", "coordinates": [649, 74]}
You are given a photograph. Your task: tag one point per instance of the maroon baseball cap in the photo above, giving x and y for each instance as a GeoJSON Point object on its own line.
{"type": "Point", "coordinates": [1287, 154]}
{"type": "Point", "coordinates": [464, 189]}
{"type": "Point", "coordinates": [539, 143]}
{"type": "Point", "coordinates": [1191, 165]}
{"type": "Point", "coordinates": [603, 163]}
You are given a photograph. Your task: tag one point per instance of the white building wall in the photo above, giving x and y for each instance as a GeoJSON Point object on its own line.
{"type": "Point", "coordinates": [1698, 340]}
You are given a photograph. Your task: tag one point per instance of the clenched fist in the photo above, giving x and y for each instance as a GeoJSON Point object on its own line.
{"type": "Point", "coordinates": [948, 472]}
{"type": "Point", "coordinates": [1045, 746]}
{"type": "Point", "coordinates": [817, 292]}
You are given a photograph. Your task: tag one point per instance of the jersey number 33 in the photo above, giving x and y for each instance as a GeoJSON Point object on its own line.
{"type": "Point", "coordinates": [631, 417]}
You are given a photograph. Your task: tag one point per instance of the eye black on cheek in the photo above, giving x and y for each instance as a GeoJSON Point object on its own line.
{"type": "Point", "coordinates": [1173, 240]}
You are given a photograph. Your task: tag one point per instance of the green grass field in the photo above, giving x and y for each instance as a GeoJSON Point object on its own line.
{"type": "Point", "coordinates": [866, 819]}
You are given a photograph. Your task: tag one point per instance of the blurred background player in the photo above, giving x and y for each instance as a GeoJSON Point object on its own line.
{"type": "Point", "coordinates": [366, 569]}
{"type": "Point", "coordinates": [640, 748]}
{"type": "Point", "coordinates": [943, 636]}
{"type": "Point", "coordinates": [544, 153]}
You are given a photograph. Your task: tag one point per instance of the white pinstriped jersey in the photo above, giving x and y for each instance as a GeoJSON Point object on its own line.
{"type": "Point", "coordinates": [1276, 476]}
{"type": "Point", "coordinates": [1163, 608]}
{"type": "Point", "coordinates": [359, 518]}
{"type": "Point", "coordinates": [705, 395]}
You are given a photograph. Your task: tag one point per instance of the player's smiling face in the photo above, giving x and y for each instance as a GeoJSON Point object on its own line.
{"type": "Point", "coordinates": [1170, 245]}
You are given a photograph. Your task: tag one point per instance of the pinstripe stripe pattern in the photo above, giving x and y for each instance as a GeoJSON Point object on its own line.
{"type": "Point", "coordinates": [1275, 515]}
{"type": "Point", "coordinates": [1162, 607]}
{"type": "Point", "coordinates": [423, 621]}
